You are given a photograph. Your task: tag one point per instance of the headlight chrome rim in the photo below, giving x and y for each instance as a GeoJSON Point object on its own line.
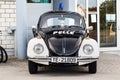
{"type": "Point", "coordinates": [38, 48]}
{"type": "Point", "coordinates": [88, 49]}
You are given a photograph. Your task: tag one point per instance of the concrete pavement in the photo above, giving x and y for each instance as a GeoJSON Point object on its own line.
{"type": "Point", "coordinates": [108, 69]}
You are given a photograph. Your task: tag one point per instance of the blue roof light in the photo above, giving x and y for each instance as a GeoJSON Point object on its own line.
{"type": "Point", "coordinates": [61, 6]}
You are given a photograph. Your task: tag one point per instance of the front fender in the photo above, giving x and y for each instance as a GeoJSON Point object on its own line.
{"type": "Point", "coordinates": [95, 46]}
{"type": "Point", "coordinates": [32, 43]}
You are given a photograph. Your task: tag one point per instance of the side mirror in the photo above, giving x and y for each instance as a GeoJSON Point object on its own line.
{"type": "Point", "coordinates": [90, 28]}
{"type": "Point", "coordinates": [34, 30]}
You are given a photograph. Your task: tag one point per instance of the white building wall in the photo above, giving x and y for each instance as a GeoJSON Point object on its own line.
{"type": "Point", "coordinates": [7, 20]}
{"type": "Point", "coordinates": [34, 11]}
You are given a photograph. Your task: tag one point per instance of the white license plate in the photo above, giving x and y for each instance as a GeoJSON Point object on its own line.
{"type": "Point", "coordinates": [64, 60]}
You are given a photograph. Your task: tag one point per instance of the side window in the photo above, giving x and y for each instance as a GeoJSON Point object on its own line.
{"type": "Point", "coordinates": [38, 1]}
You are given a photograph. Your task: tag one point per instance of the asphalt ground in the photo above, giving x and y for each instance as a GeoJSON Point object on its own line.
{"type": "Point", "coordinates": [108, 69]}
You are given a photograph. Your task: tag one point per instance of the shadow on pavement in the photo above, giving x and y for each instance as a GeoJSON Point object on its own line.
{"type": "Point", "coordinates": [63, 71]}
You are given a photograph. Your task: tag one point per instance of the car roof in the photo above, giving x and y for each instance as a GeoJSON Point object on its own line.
{"type": "Point", "coordinates": [61, 12]}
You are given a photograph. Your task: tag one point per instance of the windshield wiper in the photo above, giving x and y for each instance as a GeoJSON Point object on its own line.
{"type": "Point", "coordinates": [74, 26]}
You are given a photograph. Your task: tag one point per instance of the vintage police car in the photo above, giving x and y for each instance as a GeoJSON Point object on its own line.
{"type": "Point", "coordinates": [61, 38]}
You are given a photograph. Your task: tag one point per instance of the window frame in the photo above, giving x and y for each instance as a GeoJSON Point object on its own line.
{"type": "Point", "coordinates": [40, 1]}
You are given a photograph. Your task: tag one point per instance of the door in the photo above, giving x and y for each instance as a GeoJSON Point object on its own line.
{"type": "Point", "coordinates": [108, 21]}
{"type": "Point", "coordinates": [88, 9]}
{"type": "Point", "coordinates": [93, 18]}
{"type": "Point", "coordinates": [102, 15]}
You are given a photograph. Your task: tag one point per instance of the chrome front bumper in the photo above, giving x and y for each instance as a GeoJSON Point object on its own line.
{"type": "Point", "coordinates": [46, 60]}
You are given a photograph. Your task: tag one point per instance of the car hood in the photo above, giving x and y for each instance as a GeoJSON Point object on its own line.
{"type": "Point", "coordinates": [64, 46]}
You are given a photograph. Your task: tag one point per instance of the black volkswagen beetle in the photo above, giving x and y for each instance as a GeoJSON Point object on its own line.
{"type": "Point", "coordinates": [61, 38]}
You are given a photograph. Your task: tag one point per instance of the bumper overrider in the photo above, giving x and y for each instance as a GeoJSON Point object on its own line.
{"type": "Point", "coordinates": [48, 60]}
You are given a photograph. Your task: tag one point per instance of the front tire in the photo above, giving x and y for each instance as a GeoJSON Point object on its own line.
{"type": "Point", "coordinates": [92, 67]}
{"type": "Point", "coordinates": [33, 67]}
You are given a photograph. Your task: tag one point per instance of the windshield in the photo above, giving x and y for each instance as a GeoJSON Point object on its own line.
{"type": "Point", "coordinates": [58, 21]}
{"type": "Point", "coordinates": [61, 19]}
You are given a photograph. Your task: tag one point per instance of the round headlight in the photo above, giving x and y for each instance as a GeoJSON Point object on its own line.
{"type": "Point", "coordinates": [88, 49]}
{"type": "Point", "coordinates": [38, 48]}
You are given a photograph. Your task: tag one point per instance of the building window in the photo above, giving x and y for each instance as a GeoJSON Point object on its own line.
{"type": "Point", "coordinates": [38, 1]}
{"type": "Point", "coordinates": [108, 23]}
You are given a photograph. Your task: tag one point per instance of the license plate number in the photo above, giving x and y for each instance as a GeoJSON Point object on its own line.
{"type": "Point", "coordinates": [64, 60]}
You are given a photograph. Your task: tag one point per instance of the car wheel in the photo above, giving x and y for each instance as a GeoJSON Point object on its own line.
{"type": "Point", "coordinates": [33, 67]}
{"type": "Point", "coordinates": [93, 67]}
